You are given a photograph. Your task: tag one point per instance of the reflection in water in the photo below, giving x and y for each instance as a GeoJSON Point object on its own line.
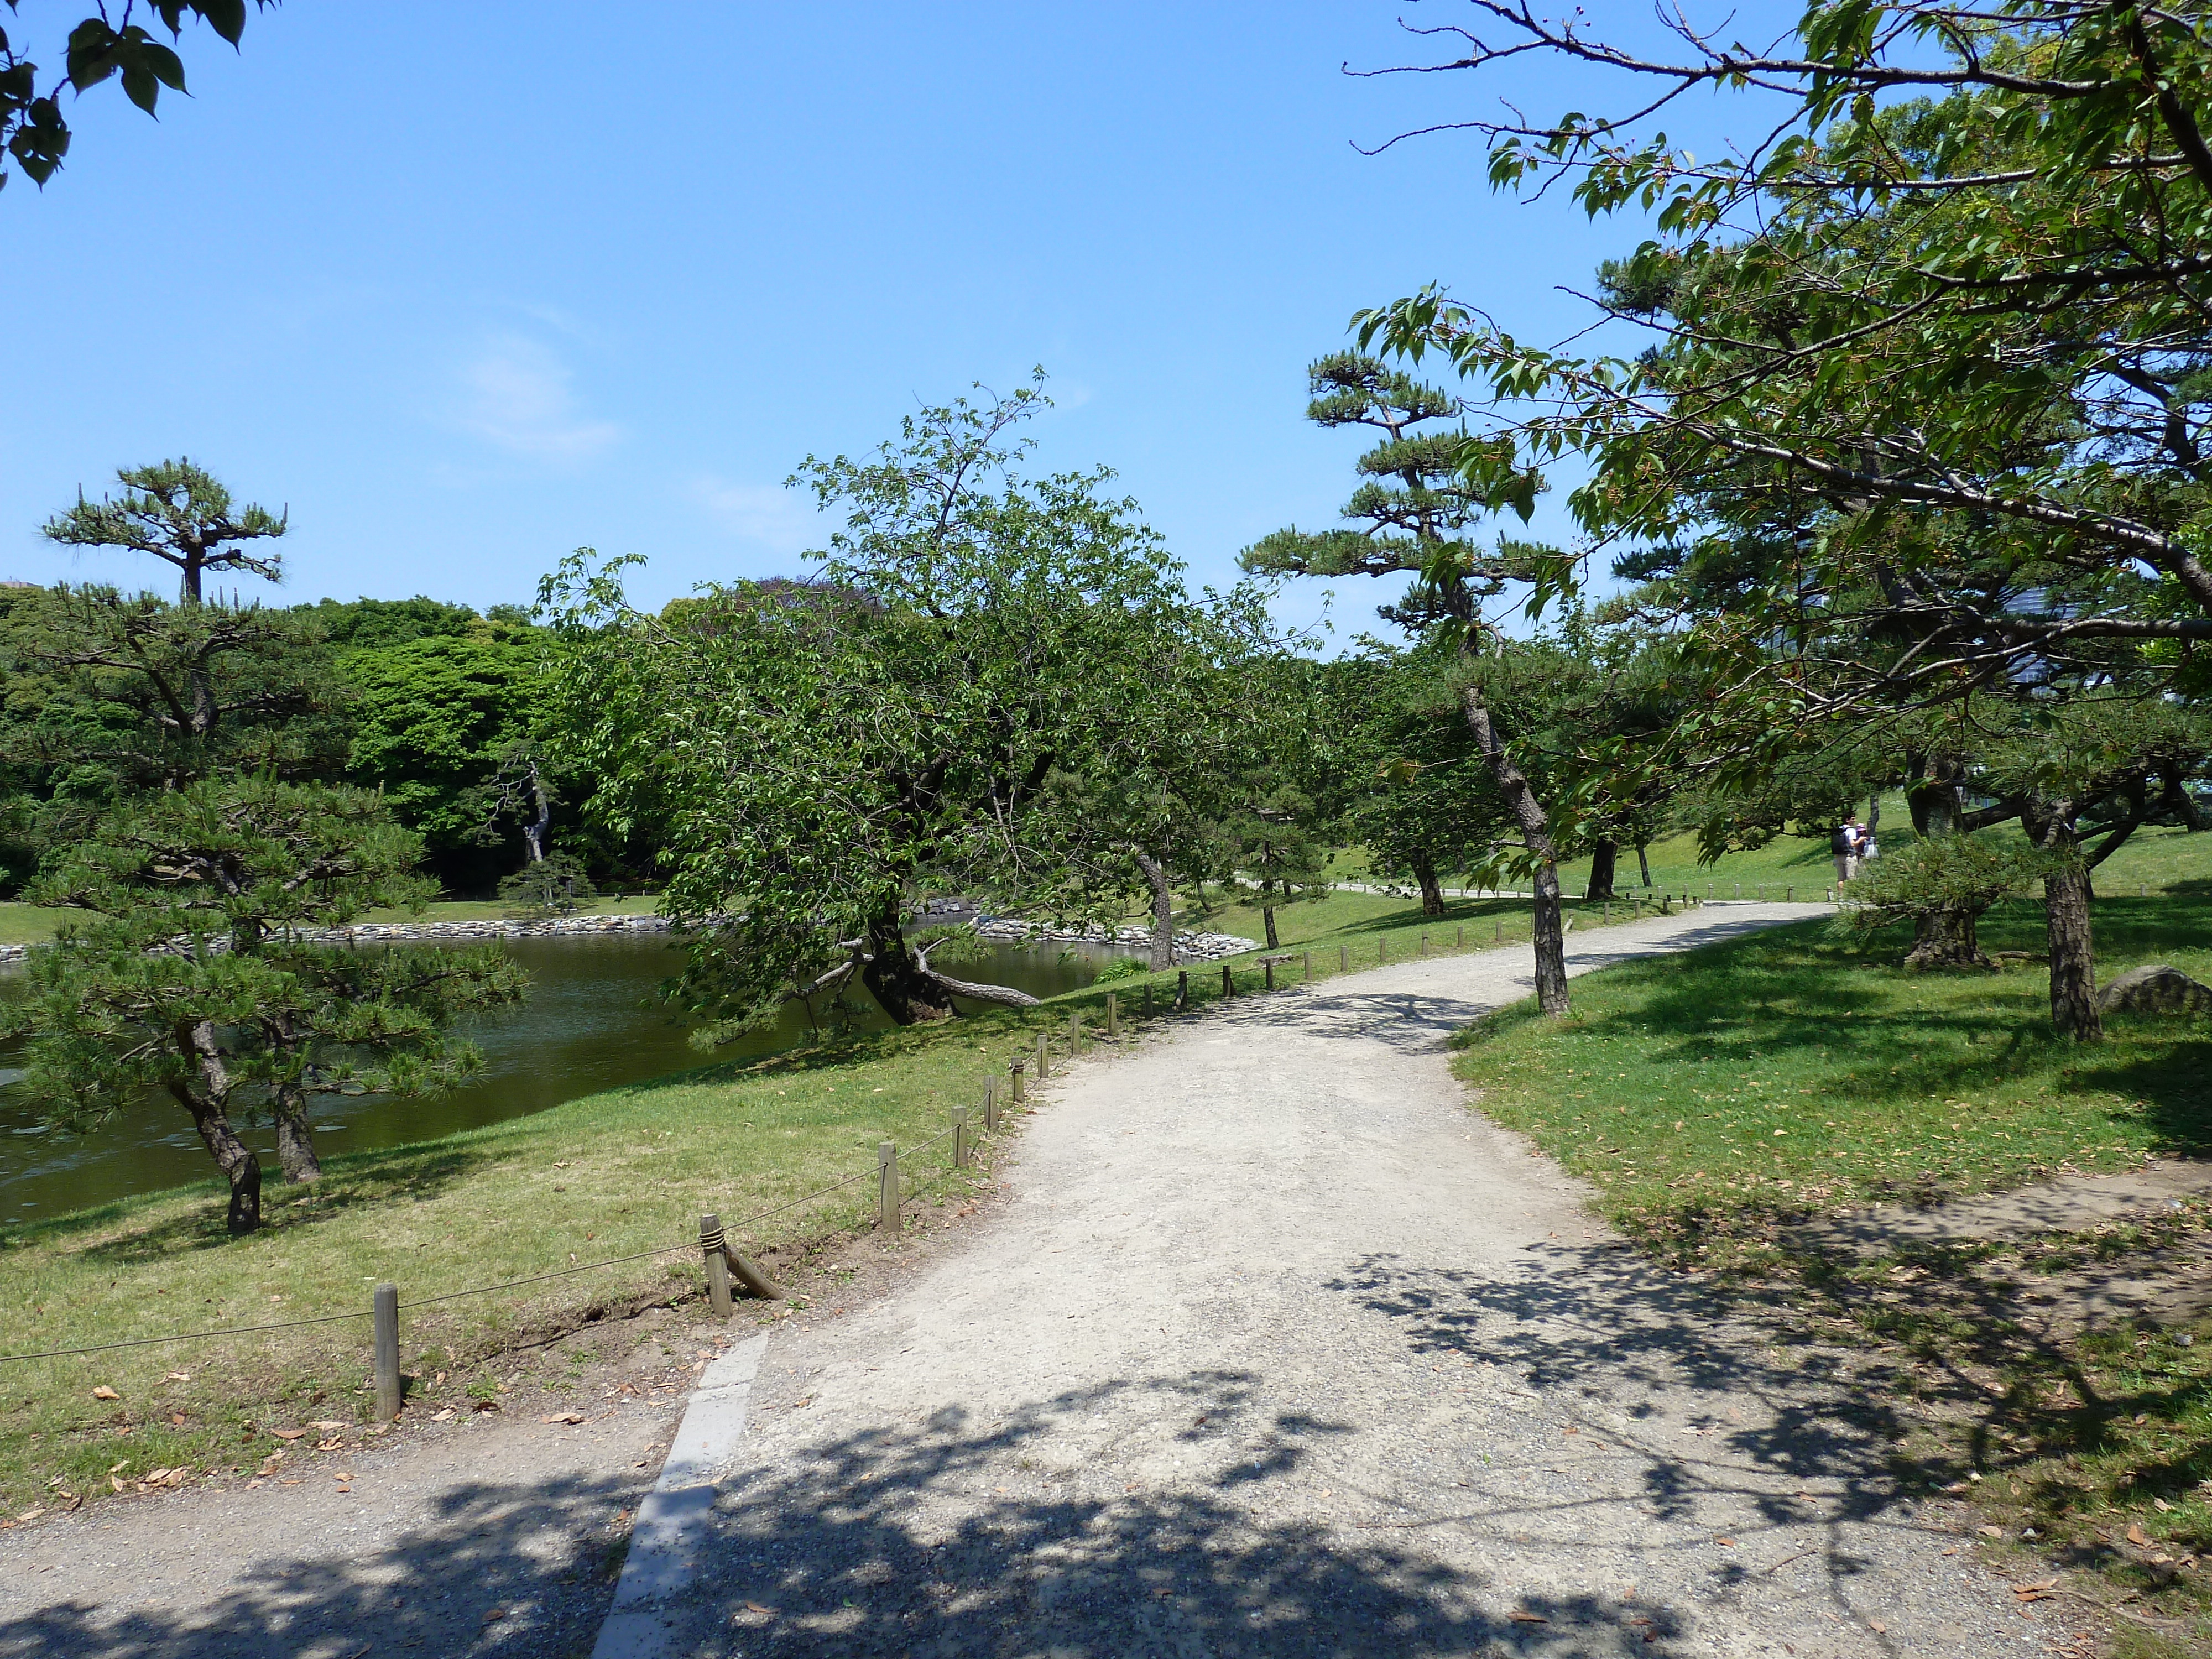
{"type": "Point", "coordinates": [593, 1022]}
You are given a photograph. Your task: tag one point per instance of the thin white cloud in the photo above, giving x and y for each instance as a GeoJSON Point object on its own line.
{"type": "Point", "coordinates": [516, 395]}
{"type": "Point", "coordinates": [778, 520]}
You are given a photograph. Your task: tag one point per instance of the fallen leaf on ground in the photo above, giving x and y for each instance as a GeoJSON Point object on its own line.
{"type": "Point", "coordinates": [563, 1417]}
{"type": "Point", "coordinates": [290, 1434]}
{"type": "Point", "coordinates": [103, 1392]}
{"type": "Point", "coordinates": [1992, 1532]}
{"type": "Point", "coordinates": [1528, 1618]}
{"type": "Point", "coordinates": [328, 1426]}
{"type": "Point", "coordinates": [2138, 1536]}
{"type": "Point", "coordinates": [115, 1482]}
{"type": "Point", "coordinates": [1726, 1543]}
{"type": "Point", "coordinates": [341, 1474]}
{"type": "Point", "coordinates": [328, 1445]}
{"type": "Point", "coordinates": [30, 1515]}
{"type": "Point", "coordinates": [176, 1376]}
{"type": "Point", "coordinates": [486, 1405]}
{"type": "Point", "coordinates": [494, 1613]}
{"type": "Point", "coordinates": [440, 1417]}
{"type": "Point", "coordinates": [2164, 1507]}
{"type": "Point", "coordinates": [754, 1607]}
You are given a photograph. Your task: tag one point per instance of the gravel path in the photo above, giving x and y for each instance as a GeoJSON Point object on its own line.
{"type": "Point", "coordinates": [1276, 1349]}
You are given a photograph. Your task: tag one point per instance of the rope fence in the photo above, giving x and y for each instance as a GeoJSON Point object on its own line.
{"type": "Point", "coordinates": [722, 1258]}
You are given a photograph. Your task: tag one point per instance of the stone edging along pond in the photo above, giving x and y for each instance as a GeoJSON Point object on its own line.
{"type": "Point", "coordinates": [1189, 947]}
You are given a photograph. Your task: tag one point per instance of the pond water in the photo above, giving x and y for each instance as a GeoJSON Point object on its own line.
{"type": "Point", "coordinates": [592, 1022]}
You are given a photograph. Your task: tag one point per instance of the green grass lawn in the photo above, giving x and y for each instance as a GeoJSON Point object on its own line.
{"type": "Point", "coordinates": [2155, 859]}
{"type": "Point", "coordinates": [1719, 1101]}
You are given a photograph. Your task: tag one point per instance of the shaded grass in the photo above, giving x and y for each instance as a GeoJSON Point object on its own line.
{"type": "Point", "coordinates": [1721, 1100]}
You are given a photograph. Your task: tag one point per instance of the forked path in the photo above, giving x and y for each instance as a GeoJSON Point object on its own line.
{"type": "Point", "coordinates": [1278, 1349]}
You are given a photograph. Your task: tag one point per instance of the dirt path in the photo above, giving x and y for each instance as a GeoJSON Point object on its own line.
{"type": "Point", "coordinates": [1276, 1349]}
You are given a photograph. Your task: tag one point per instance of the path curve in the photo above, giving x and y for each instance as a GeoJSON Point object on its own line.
{"type": "Point", "coordinates": [1278, 1349]}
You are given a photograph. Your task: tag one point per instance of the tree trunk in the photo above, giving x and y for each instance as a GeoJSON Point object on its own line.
{"type": "Point", "coordinates": [2051, 825]}
{"type": "Point", "coordinates": [1536, 833]}
{"type": "Point", "coordinates": [1267, 921]}
{"type": "Point", "coordinates": [1156, 878]}
{"type": "Point", "coordinates": [1432, 892]}
{"type": "Point", "coordinates": [1947, 938]}
{"type": "Point", "coordinates": [908, 994]}
{"type": "Point", "coordinates": [208, 1113]}
{"type": "Point", "coordinates": [1603, 855]}
{"type": "Point", "coordinates": [534, 832]}
{"type": "Point", "coordinates": [1942, 939]}
{"type": "Point", "coordinates": [296, 1140]}
{"type": "Point", "coordinates": [1642, 864]}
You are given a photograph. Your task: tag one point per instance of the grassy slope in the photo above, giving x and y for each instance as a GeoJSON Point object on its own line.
{"type": "Point", "coordinates": [1714, 1099]}
{"type": "Point", "coordinates": [627, 1170]}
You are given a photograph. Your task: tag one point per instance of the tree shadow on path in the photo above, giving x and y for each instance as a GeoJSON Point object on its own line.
{"type": "Point", "coordinates": [500, 1570]}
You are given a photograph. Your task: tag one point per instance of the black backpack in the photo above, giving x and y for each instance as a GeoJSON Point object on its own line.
{"type": "Point", "coordinates": [1840, 842]}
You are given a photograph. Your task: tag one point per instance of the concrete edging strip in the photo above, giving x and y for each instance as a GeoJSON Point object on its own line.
{"type": "Point", "coordinates": [664, 1540]}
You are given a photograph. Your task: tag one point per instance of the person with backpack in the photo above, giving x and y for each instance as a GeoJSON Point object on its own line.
{"type": "Point", "coordinates": [1846, 843]}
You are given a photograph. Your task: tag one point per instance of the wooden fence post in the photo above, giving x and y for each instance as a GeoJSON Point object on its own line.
{"type": "Point", "coordinates": [1148, 999]}
{"type": "Point", "coordinates": [1789, 894]}
{"type": "Point", "coordinates": [990, 1105]}
{"type": "Point", "coordinates": [1074, 1034]}
{"type": "Point", "coordinates": [1044, 1056]}
{"type": "Point", "coordinates": [1113, 1016]}
{"type": "Point", "coordinates": [1017, 1068]}
{"type": "Point", "coordinates": [1227, 981]}
{"type": "Point", "coordinates": [1424, 944]}
{"type": "Point", "coordinates": [1739, 889]}
{"type": "Point", "coordinates": [1183, 989]}
{"type": "Point", "coordinates": [1605, 910]}
{"type": "Point", "coordinates": [962, 1153]}
{"type": "Point", "coordinates": [1309, 965]}
{"type": "Point", "coordinates": [887, 1192]}
{"type": "Point", "coordinates": [1382, 947]}
{"type": "Point", "coordinates": [1268, 967]}
{"type": "Point", "coordinates": [1344, 959]}
{"type": "Point", "coordinates": [385, 1305]}
{"type": "Point", "coordinates": [1461, 942]}
{"type": "Point", "coordinates": [717, 1270]}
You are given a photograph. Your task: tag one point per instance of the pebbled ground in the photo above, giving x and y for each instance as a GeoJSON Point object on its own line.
{"type": "Point", "coordinates": [1276, 1349]}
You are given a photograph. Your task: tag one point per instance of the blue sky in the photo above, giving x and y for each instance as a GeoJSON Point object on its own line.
{"type": "Point", "coordinates": [468, 286]}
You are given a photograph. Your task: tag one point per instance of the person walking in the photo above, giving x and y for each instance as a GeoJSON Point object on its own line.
{"type": "Point", "coordinates": [1845, 843]}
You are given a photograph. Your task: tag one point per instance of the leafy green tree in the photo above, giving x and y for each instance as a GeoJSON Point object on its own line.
{"type": "Point", "coordinates": [1413, 514]}
{"type": "Point", "coordinates": [438, 719]}
{"type": "Point", "coordinates": [107, 43]}
{"type": "Point", "coordinates": [927, 716]}
{"type": "Point", "coordinates": [194, 963]}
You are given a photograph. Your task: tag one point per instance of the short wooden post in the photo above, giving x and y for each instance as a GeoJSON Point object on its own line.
{"type": "Point", "coordinates": [1227, 981]}
{"type": "Point", "coordinates": [718, 1269]}
{"type": "Point", "coordinates": [887, 1193]}
{"type": "Point", "coordinates": [1044, 1056]}
{"type": "Point", "coordinates": [1461, 942]}
{"type": "Point", "coordinates": [1500, 937]}
{"type": "Point", "coordinates": [385, 1305]}
{"type": "Point", "coordinates": [1183, 989]}
{"type": "Point", "coordinates": [1344, 959]}
{"type": "Point", "coordinates": [1739, 889]}
{"type": "Point", "coordinates": [1268, 967]}
{"type": "Point", "coordinates": [1709, 890]}
{"type": "Point", "coordinates": [1113, 1016]}
{"type": "Point", "coordinates": [1075, 1034]}
{"type": "Point", "coordinates": [1017, 1068]}
{"type": "Point", "coordinates": [990, 1105]}
{"type": "Point", "coordinates": [1424, 944]}
{"type": "Point", "coordinates": [963, 1154]}
{"type": "Point", "coordinates": [1789, 894]}
{"type": "Point", "coordinates": [1148, 999]}
{"type": "Point", "coordinates": [1382, 947]}
{"type": "Point", "coordinates": [1309, 965]}
{"type": "Point", "coordinates": [1762, 892]}
{"type": "Point", "coordinates": [1605, 911]}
